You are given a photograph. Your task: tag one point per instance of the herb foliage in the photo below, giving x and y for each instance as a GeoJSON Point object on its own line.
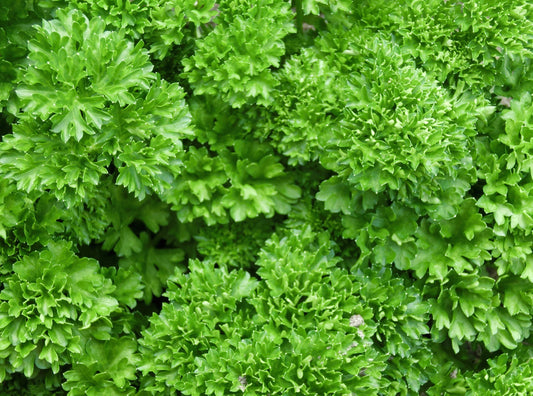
{"type": "Point", "coordinates": [266, 197]}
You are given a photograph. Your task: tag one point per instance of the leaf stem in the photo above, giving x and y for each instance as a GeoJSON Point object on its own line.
{"type": "Point", "coordinates": [297, 4]}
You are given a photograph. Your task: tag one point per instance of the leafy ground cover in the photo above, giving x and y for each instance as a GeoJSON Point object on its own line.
{"type": "Point", "coordinates": [266, 198]}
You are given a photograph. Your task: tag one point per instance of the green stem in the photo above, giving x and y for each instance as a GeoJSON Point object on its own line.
{"type": "Point", "coordinates": [297, 4]}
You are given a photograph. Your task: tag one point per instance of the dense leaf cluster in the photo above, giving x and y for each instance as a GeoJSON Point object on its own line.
{"type": "Point", "coordinates": [266, 197]}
